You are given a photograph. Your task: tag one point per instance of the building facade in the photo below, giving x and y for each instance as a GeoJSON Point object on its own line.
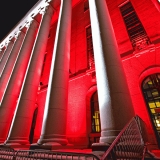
{"type": "Point", "coordinates": [74, 72]}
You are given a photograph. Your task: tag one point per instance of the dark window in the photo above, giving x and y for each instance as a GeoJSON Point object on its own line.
{"type": "Point", "coordinates": [95, 116]}
{"type": "Point", "coordinates": [135, 29]}
{"type": "Point", "coordinates": [31, 136]}
{"type": "Point", "coordinates": [86, 5]}
{"type": "Point", "coordinates": [90, 54]}
{"type": "Point", "coordinates": [49, 35]}
{"type": "Point", "coordinates": [44, 61]}
{"type": "Point", "coordinates": [151, 92]}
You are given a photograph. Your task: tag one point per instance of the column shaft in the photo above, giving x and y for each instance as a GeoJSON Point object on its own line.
{"type": "Point", "coordinates": [1, 54]}
{"type": "Point", "coordinates": [26, 104]}
{"type": "Point", "coordinates": [113, 94]}
{"type": "Point", "coordinates": [5, 74]}
{"type": "Point", "coordinates": [14, 85]}
{"type": "Point", "coordinates": [6, 55]}
{"type": "Point", "coordinates": [54, 121]}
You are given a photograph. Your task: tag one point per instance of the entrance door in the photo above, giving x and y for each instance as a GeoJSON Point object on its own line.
{"type": "Point", "coordinates": [151, 92]}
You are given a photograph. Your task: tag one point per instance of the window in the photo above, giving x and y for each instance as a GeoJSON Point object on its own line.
{"type": "Point", "coordinates": [31, 136]}
{"type": "Point", "coordinates": [135, 29]}
{"type": "Point", "coordinates": [90, 54]}
{"type": "Point", "coordinates": [86, 5]}
{"type": "Point", "coordinates": [151, 92]}
{"type": "Point", "coordinates": [44, 61]}
{"type": "Point", "coordinates": [95, 116]}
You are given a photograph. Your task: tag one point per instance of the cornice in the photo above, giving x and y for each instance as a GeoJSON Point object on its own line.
{"type": "Point", "coordinates": [38, 8]}
{"type": "Point", "coordinates": [26, 20]}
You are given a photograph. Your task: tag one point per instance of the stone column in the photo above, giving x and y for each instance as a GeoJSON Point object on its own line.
{"type": "Point", "coordinates": [7, 71]}
{"type": "Point", "coordinates": [6, 55]}
{"type": "Point", "coordinates": [26, 104]}
{"type": "Point", "coordinates": [2, 53]}
{"type": "Point", "coordinates": [54, 121]}
{"type": "Point", "coordinates": [14, 85]}
{"type": "Point", "coordinates": [114, 98]}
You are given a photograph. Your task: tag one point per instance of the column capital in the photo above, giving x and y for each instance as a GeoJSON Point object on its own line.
{"type": "Point", "coordinates": [17, 34]}
{"type": "Point", "coordinates": [46, 9]}
{"type": "Point", "coordinates": [7, 43]}
{"type": "Point", "coordinates": [28, 23]}
{"type": "Point", "coordinates": [11, 40]}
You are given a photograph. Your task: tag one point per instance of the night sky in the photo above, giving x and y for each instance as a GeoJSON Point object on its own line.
{"type": "Point", "coordinates": [11, 12]}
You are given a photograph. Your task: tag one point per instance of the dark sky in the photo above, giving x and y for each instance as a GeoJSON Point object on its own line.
{"type": "Point", "coordinates": [11, 12]}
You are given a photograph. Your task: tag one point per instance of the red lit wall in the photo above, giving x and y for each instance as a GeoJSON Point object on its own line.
{"type": "Point", "coordinates": [137, 65]}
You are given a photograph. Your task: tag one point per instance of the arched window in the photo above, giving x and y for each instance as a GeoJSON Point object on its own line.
{"type": "Point", "coordinates": [95, 117]}
{"type": "Point", "coordinates": [151, 92]}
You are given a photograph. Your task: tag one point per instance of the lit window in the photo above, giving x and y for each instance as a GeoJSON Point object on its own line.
{"type": "Point", "coordinates": [151, 92]}
{"type": "Point", "coordinates": [135, 29]}
{"type": "Point", "coordinates": [95, 116]}
{"type": "Point", "coordinates": [90, 54]}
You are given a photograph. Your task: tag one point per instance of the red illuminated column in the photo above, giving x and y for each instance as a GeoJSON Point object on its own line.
{"type": "Point", "coordinates": [6, 55]}
{"type": "Point", "coordinates": [14, 85]}
{"type": "Point", "coordinates": [113, 94]}
{"type": "Point", "coordinates": [10, 63]}
{"type": "Point", "coordinates": [54, 121]}
{"type": "Point", "coordinates": [26, 104]}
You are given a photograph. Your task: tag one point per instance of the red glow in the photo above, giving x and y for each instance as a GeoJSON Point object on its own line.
{"type": "Point", "coordinates": [14, 86]}
{"type": "Point", "coordinates": [82, 84]}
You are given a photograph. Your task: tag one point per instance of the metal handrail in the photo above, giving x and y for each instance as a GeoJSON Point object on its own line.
{"type": "Point", "coordinates": [129, 144]}
{"type": "Point", "coordinates": [7, 153]}
{"type": "Point", "coordinates": [53, 155]}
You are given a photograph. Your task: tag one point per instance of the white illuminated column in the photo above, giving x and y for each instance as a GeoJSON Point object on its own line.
{"type": "Point", "coordinates": [6, 54]}
{"type": "Point", "coordinates": [5, 74]}
{"type": "Point", "coordinates": [27, 99]}
{"type": "Point", "coordinates": [14, 85]}
{"type": "Point", "coordinates": [113, 94]}
{"type": "Point", "coordinates": [54, 121]}
{"type": "Point", "coordinates": [2, 53]}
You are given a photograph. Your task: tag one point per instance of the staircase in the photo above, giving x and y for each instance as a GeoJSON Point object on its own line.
{"type": "Point", "coordinates": [130, 144]}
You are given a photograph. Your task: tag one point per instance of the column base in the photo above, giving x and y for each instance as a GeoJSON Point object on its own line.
{"type": "Point", "coordinates": [100, 147]}
{"type": "Point", "coordinates": [107, 137]}
{"type": "Point", "coordinates": [50, 146]}
{"type": "Point", "coordinates": [15, 146]}
{"type": "Point", "coordinates": [2, 140]}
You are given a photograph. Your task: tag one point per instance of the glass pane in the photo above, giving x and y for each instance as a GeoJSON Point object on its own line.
{"type": "Point", "coordinates": [153, 111]}
{"type": "Point", "coordinates": [95, 113]}
{"type": "Point", "coordinates": [149, 94]}
{"type": "Point", "coordinates": [155, 93]}
{"type": "Point", "coordinates": [157, 103]}
{"type": "Point", "coordinates": [152, 105]}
